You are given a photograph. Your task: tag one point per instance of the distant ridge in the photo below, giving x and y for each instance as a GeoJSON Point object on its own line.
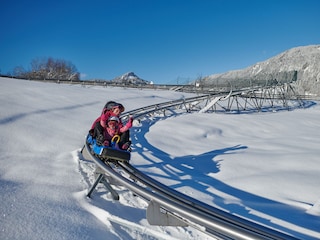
{"type": "Point", "coordinates": [299, 64]}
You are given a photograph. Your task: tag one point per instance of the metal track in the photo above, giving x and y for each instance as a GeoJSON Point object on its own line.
{"type": "Point", "coordinates": [271, 98]}
{"type": "Point", "coordinates": [175, 207]}
{"type": "Point", "coordinates": [213, 221]}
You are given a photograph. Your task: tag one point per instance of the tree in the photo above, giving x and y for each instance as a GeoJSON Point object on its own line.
{"type": "Point", "coordinates": [19, 71]}
{"type": "Point", "coordinates": [51, 69]}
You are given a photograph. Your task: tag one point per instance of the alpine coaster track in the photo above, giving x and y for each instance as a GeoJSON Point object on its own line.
{"type": "Point", "coordinates": [168, 207]}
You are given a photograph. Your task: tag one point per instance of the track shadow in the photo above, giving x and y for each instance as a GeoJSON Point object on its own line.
{"type": "Point", "coordinates": [19, 116]}
{"type": "Point", "coordinates": [197, 172]}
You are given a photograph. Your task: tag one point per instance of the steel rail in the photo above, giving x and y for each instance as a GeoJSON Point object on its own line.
{"type": "Point", "coordinates": [162, 106]}
{"type": "Point", "coordinates": [215, 222]}
{"type": "Point", "coordinates": [192, 203]}
{"type": "Point", "coordinates": [139, 112]}
{"type": "Point", "coordinates": [143, 111]}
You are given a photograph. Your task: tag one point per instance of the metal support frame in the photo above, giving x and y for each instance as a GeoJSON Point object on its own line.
{"type": "Point", "coordinates": [94, 185]}
{"type": "Point", "coordinates": [101, 179]}
{"type": "Point", "coordinates": [156, 215]}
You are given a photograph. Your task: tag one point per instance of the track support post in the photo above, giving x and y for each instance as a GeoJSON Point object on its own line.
{"type": "Point", "coordinates": [101, 179]}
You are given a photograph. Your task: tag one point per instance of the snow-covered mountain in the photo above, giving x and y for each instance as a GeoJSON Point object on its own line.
{"type": "Point", "coordinates": [300, 65]}
{"type": "Point", "coordinates": [129, 78]}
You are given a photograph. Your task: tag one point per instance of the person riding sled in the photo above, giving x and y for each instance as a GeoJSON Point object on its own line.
{"type": "Point", "coordinates": [99, 129]}
{"type": "Point", "coordinates": [112, 133]}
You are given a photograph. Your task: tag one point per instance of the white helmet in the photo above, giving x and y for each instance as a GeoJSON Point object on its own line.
{"type": "Point", "coordinates": [113, 118]}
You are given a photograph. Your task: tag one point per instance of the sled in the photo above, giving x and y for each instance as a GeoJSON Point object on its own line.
{"type": "Point", "coordinates": [109, 153]}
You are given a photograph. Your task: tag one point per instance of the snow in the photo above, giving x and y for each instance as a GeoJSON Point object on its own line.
{"type": "Point", "coordinates": [261, 166]}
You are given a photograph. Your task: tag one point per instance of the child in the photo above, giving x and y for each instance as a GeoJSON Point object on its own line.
{"type": "Point", "coordinates": [111, 130]}
{"type": "Point", "coordinates": [111, 109]}
{"type": "Point", "coordinates": [100, 125]}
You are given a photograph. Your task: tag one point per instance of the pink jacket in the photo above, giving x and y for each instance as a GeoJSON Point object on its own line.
{"type": "Point", "coordinates": [109, 133]}
{"type": "Point", "coordinates": [104, 118]}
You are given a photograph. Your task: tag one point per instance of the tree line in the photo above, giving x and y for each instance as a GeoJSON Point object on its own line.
{"type": "Point", "coordinates": [48, 69]}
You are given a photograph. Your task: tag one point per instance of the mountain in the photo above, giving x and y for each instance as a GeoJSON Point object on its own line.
{"type": "Point", "coordinates": [300, 65]}
{"type": "Point", "coordinates": [130, 78]}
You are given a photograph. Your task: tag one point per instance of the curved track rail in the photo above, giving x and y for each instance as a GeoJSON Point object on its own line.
{"type": "Point", "coordinates": [170, 207]}
{"type": "Point", "coordinates": [186, 210]}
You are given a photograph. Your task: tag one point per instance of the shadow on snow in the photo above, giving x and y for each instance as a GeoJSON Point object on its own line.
{"type": "Point", "coordinates": [195, 170]}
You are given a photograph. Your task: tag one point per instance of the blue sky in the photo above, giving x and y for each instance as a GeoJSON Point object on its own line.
{"type": "Point", "coordinates": [164, 41]}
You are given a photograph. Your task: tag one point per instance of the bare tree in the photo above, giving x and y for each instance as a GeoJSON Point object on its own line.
{"type": "Point", "coordinates": [50, 68]}
{"type": "Point", "coordinates": [19, 71]}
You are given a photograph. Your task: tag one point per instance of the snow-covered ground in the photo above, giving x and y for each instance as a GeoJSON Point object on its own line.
{"type": "Point", "coordinates": [264, 167]}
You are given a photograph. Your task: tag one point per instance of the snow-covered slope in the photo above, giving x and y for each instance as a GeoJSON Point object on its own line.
{"type": "Point", "coordinates": [301, 64]}
{"type": "Point", "coordinates": [264, 167]}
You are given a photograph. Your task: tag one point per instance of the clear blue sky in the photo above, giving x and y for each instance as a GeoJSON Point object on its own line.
{"type": "Point", "coordinates": [164, 41]}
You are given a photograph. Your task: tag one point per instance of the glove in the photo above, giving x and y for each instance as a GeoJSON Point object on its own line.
{"type": "Point", "coordinates": [91, 132]}
{"type": "Point", "coordinates": [131, 118]}
{"type": "Point", "coordinates": [129, 123]}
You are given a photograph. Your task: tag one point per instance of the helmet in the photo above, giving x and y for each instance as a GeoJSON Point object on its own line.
{"type": "Point", "coordinates": [112, 104]}
{"type": "Point", "coordinates": [109, 105]}
{"type": "Point", "coordinates": [113, 118]}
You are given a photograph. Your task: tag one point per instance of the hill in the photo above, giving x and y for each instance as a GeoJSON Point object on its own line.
{"type": "Point", "coordinates": [300, 65]}
{"type": "Point", "coordinates": [129, 78]}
